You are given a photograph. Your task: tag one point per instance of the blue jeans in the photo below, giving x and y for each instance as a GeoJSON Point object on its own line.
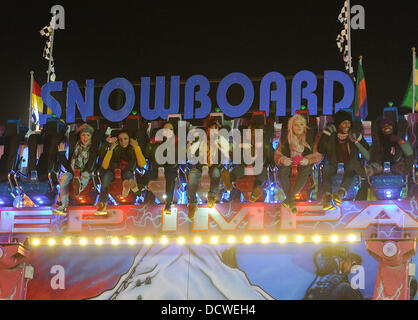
{"type": "Point", "coordinates": [107, 177]}
{"type": "Point", "coordinates": [195, 176]}
{"type": "Point", "coordinates": [65, 182]}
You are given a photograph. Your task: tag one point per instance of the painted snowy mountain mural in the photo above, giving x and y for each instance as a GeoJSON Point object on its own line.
{"type": "Point", "coordinates": [184, 272]}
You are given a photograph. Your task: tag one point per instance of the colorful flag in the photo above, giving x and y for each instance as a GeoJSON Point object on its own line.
{"type": "Point", "coordinates": [407, 100]}
{"type": "Point", "coordinates": [360, 102]}
{"type": "Point", "coordinates": [38, 105]}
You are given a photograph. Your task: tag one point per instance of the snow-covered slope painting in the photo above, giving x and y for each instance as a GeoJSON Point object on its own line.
{"type": "Point", "coordinates": [184, 272]}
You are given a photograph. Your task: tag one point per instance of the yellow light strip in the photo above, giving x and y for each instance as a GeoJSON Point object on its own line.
{"type": "Point", "coordinates": [212, 239]}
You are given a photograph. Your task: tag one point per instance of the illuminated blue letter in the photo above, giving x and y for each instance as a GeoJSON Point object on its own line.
{"type": "Point", "coordinates": [306, 93]}
{"type": "Point", "coordinates": [107, 111]}
{"type": "Point", "coordinates": [329, 77]}
{"type": "Point", "coordinates": [246, 84]}
{"type": "Point", "coordinates": [202, 96]}
{"type": "Point", "coordinates": [159, 109]}
{"type": "Point", "coordinates": [277, 95]}
{"type": "Point", "coordinates": [49, 101]}
{"type": "Point", "coordinates": [86, 107]}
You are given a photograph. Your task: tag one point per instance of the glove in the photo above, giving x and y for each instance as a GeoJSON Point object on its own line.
{"type": "Point", "coordinates": [356, 137]}
{"type": "Point", "coordinates": [330, 129]}
{"type": "Point", "coordinates": [297, 160]}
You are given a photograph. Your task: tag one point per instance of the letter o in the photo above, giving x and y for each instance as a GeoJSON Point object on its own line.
{"type": "Point", "coordinates": [107, 111]}
{"type": "Point", "coordinates": [244, 106]}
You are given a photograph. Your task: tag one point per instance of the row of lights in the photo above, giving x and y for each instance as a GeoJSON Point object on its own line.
{"type": "Point", "coordinates": [164, 240]}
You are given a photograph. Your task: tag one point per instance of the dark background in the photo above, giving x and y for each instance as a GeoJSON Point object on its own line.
{"type": "Point", "coordinates": [130, 39]}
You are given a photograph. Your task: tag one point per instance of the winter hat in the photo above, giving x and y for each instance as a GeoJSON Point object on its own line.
{"type": "Point", "coordinates": [87, 128]}
{"type": "Point", "coordinates": [386, 121]}
{"type": "Point", "coordinates": [341, 116]}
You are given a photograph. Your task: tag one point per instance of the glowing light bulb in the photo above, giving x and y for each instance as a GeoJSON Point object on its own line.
{"type": "Point", "coordinates": [299, 239]}
{"type": "Point", "coordinates": [231, 239]}
{"type": "Point", "coordinates": [67, 241]}
{"type": "Point", "coordinates": [197, 240]}
{"type": "Point", "coordinates": [51, 242]}
{"type": "Point", "coordinates": [115, 241]}
{"type": "Point", "coordinates": [99, 241]}
{"type": "Point", "coordinates": [181, 240]}
{"type": "Point", "coordinates": [282, 239]}
{"type": "Point", "coordinates": [36, 242]}
{"type": "Point", "coordinates": [214, 240]}
{"type": "Point", "coordinates": [351, 238]}
{"type": "Point", "coordinates": [83, 241]}
{"type": "Point", "coordinates": [265, 239]}
{"type": "Point", "coordinates": [248, 239]}
{"type": "Point", "coordinates": [316, 238]}
{"type": "Point", "coordinates": [164, 240]}
{"type": "Point", "coordinates": [334, 238]}
{"type": "Point", "coordinates": [148, 241]}
{"type": "Point", "coordinates": [131, 241]}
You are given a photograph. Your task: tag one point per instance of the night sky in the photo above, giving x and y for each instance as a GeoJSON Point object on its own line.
{"type": "Point", "coordinates": [108, 39]}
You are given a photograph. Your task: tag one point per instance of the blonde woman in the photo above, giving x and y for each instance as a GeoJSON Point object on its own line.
{"type": "Point", "coordinates": [297, 147]}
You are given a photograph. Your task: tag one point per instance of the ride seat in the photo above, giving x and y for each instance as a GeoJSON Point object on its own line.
{"type": "Point", "coordinates": [116, 187]}
{"type": "Point", "coordinates": [87, 196]}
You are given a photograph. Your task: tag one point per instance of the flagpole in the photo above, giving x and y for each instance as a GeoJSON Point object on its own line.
{"type": "Point", "coordinates": [349, 36]}
{"type": "Point", "coordinates": [30, 100]}
{"type": "Point", "coordinates": [413, 79]}
{"type": "Point", "coordinates": [52, 24]}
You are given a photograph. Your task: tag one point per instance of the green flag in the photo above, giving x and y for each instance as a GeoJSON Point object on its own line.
{"type": "Point", "coordinates": [407, 100]}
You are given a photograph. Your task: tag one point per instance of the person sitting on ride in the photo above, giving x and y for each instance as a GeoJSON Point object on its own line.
{"type": "Point", "coordinates": [214, 165]}
{"type": "Point", "coordinates": [83, 158]}
{"type": "Point", "coordinates": [239, 171]}
{"type": "Point", "coordinates": [390, 148]}
{"type": "Point", "coordinates": [170, 169]}
{"type": "Point", "coordinates": [124, 154]}
{"type": "Point", "coordinates": [340, 144]}
{"type": "Point", "coordinates": [298, 149]}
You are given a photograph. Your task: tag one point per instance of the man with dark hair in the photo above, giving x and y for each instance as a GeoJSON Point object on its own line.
{"type": "Point", "coordinates": [340, 143]}
{"type": "Point", "coordinates": [333, 264]}
{"type": "Point", "coordinates": [391, 148]}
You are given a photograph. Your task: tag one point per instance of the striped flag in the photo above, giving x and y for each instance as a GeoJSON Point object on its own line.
{"type": "Point", "coordinates": [360, 102]}
{"type": "Point", "coordinates": [410, 92]}
{"type": "Point", "coordinates": [343, 41]}
{"type": "Point", "coordinates": [38, 105]}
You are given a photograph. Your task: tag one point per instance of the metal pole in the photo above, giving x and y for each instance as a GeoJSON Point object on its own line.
{"type": "Point", "coordinates": [52, 24]}
{"type": "Point", "coordinates": [349, 36]}
{"type": "Point", "coordinates": [30, 100]}
{"type": "Point", "coordinates": [413, 79]}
